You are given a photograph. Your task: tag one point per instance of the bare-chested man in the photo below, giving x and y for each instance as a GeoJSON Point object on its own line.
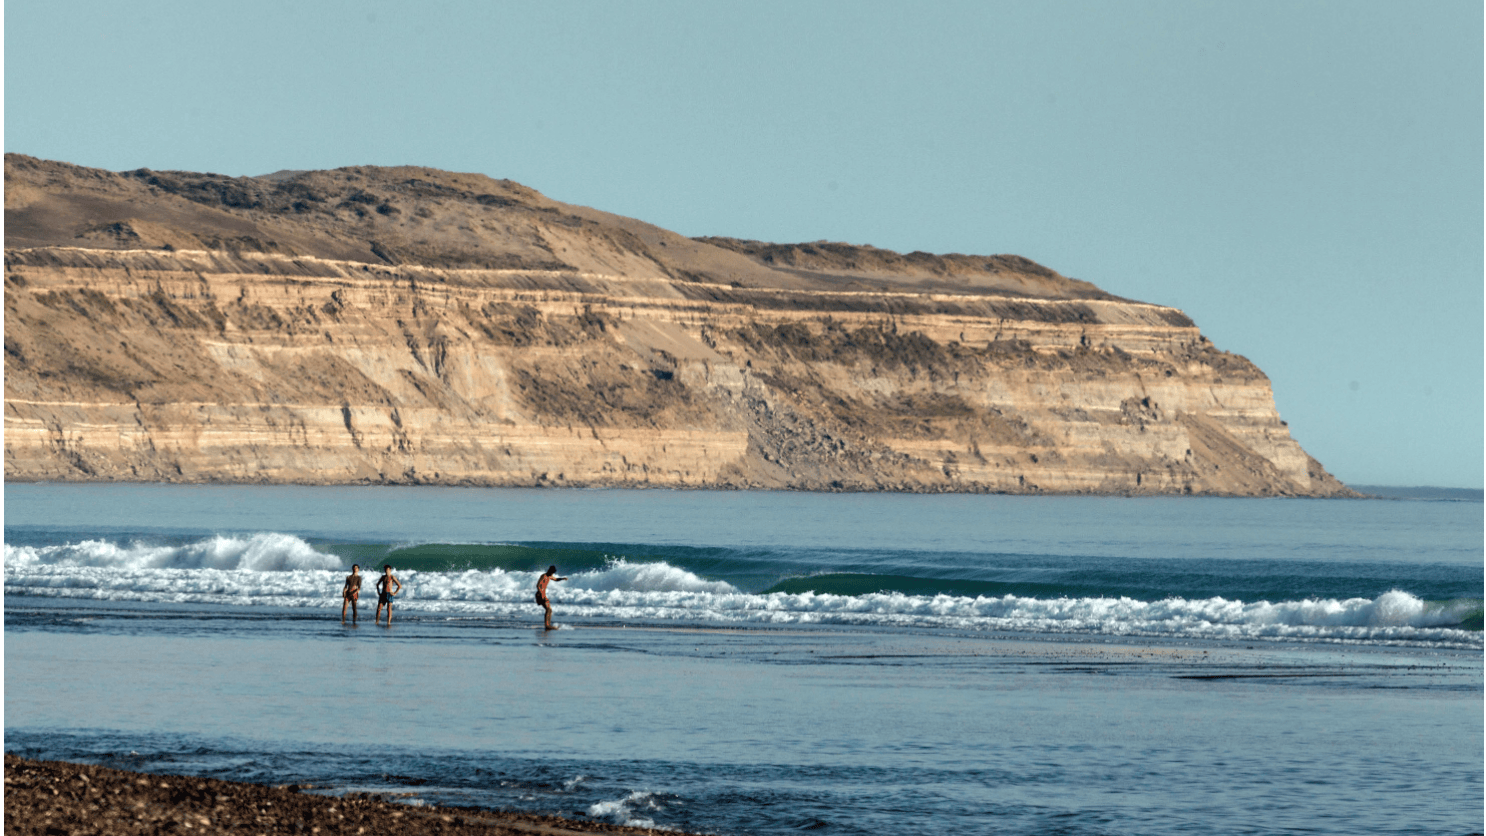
{"type": "Point", "coordinates": [551, 575]}
{"type": "Point", "coordinates": [351, 592]}
{"type": "Point", "coordinates": [385, 593]}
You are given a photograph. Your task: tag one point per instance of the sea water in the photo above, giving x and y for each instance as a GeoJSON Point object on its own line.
{"type": "Point", "coordinates": [767, 662]}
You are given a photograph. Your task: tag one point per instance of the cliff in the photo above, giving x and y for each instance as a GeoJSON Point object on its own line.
{"type": "Point", "coordinates": [406, 325]}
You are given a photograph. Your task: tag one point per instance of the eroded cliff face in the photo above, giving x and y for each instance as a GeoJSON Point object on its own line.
{"type": "Point", "coordinates": [194, 366]}
{"type": "Point", "coordinates": [763, 367]}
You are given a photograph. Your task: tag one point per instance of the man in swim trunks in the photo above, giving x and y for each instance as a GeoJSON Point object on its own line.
{"type": "Point", "coordinates": [351, 592]}
{"type": "Point", "coordinates": [385, 593]}
{"type": "Point", "coordinates": [551, 575]}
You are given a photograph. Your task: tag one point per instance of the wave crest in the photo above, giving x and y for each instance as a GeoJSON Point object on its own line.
{"type": "Point", "coordinates": [263, 552]}
{"type": "Point", "coordinates": [283, 570]}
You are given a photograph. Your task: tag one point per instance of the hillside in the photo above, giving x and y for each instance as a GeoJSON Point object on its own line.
{"type": "Point", "coordinates": [409, 325]}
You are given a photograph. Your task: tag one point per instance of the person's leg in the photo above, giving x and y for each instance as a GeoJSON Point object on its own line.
{"type": "Point", "coordinates": [389, 612]}
{"type": "Point", "coordinates": [344, 602]}
{"type": "Point", "coordinates": [547, 614]}
{"type": "Point", "coordinates": [355, 616]}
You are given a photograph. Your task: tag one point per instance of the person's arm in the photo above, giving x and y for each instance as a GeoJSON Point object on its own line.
{"type": "Point", "coordinates": [399, 585]}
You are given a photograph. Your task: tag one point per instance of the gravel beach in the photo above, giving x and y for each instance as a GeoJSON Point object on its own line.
{"type": "Point", "coordinates": [52, 798]}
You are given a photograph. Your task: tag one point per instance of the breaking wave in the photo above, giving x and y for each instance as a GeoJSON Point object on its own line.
{"type": "Point", "coordinates": [282, 570]}
{"type": "Point", "coordinates": [266, 552]}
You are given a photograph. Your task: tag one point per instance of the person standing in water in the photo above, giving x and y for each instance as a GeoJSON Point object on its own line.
{"type": "Point", "coordinates": [385, 593]}
{"type": "Point", "coordinates": [551, 575]}
{"type": "Point", "coordinates": [351, 592]}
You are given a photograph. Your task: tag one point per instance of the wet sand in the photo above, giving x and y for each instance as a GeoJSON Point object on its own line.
{"type": "Point", "coordinates": [53, 798]}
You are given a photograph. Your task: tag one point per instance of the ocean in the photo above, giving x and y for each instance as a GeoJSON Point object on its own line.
{"type": "Point", "coordinates": [764, 663]}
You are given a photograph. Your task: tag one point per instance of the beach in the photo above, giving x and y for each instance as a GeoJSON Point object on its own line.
{"type": "Point", "coordinates": [48, 797]}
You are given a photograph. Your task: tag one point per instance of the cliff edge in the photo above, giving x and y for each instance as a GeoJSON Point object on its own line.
{"type": "Point", "coordinates": [415, 326]}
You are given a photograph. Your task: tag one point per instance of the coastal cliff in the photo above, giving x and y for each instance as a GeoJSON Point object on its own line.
{"type": "Point", "coordinates": [412, 326]}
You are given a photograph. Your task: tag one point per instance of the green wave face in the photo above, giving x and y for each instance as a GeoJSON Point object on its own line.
{"type": "Point", "coordinates": [456, 557]}
{"type": "Point", "coordinates": [1473, 620]}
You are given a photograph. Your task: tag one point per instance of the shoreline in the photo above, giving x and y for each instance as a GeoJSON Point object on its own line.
{"type": "Point", "coordinates": [44, 797]}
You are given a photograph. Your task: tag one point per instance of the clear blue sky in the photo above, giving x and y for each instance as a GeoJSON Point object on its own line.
{"type": "Point", "coordinates": [1304, 178]}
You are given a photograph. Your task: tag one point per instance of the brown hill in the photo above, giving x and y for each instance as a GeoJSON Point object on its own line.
{"type": "Point", "coordinates": [413, 325]}
{"type": "Point", "coordinates": [432, 218]}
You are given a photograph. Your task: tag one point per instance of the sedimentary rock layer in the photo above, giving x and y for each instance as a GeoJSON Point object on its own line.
{"type": "Point", "coordinates": [197, 366]}
{"type": "Point", "coordinates": [162, 363]}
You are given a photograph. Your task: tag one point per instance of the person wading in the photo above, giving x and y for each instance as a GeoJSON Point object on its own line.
{"type": "Point", "coordinates": [548, 577]}
{"type": "Point", "coordinates": [385, 593]}
{"type": "Point", "coordinates": [351, 592]}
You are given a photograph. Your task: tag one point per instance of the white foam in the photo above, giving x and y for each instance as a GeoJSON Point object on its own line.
{"type": "Point", "coordinates": [647, 577]}
{"type": "Point", "coordinates": [623, 811]}
{"type": "Point", "coordinates": [618, 583]}
{"type": "Point", "coordinates": [282, 570]}
{"type": "Point", "coordinates": [264, 552]}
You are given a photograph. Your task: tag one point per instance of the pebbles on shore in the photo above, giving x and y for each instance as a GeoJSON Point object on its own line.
{"type": "Point", "coordinates": [53, 798]}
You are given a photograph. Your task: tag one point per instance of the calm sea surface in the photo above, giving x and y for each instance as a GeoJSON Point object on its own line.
{"type": "Point", "coordinates": [761, 663]}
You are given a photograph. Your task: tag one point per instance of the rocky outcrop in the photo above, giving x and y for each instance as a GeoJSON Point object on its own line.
{"type": "Point", "coordinates": [505, 339]}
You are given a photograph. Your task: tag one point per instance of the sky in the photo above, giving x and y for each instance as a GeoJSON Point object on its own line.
{"type": "Point", "coordinates": [1303, 178]}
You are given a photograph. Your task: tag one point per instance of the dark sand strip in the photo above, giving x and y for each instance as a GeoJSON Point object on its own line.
{"type": "Point", "coordinates": [52, 798]}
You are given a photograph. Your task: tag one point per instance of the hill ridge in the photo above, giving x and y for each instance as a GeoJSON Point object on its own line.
{"type": "Point", "coordinates": [466, 330]}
